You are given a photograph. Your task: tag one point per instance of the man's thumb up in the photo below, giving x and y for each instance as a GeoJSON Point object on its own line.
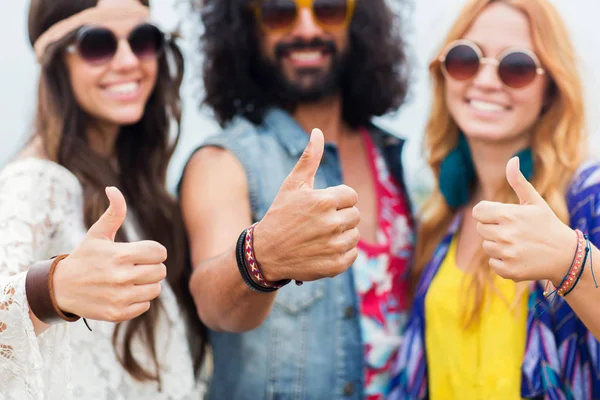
{"type": "Point", "coordinates": [523, 189]}
{"type": "Point", "coordinates": [305, 170]}
{"type": "Point", "coordinates": [109, 223]}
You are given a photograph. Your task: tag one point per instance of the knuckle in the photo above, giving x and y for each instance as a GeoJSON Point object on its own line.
{"type": "Point", "coordinates": [510, 253]}
{"type": "Point", "coordinates": [505, 236]}
{"type": "Point", "coordinates": [485, 231]}
{"type": "Point", "coordinates": [479, 228]}
{"type": "Point", "coordinates": [351, 220]}
{"type": "Point", "coordinates": [122, 257]}
{"type": "Point", "coordinates": [352, 238]}
{"type": "Point", "coordinates": [340, 261]}
{"type": "Point", "coordinates": [334, 245]}
{"type": "Point", "coordinates": [502, 270]}
{"type": "Point", "coordinates": [356, 212]}
{"type": "Point", "coordinates": [121, 277]}
{"type": "Point", "coordinates": [157, 251]}
{"type": "Point", "coordinates": [332, 226]}
{"type": "Point", "coordinates": [338, 245]}
{"type": "Point", "coordinates": [356, 234]}
{"type": "Point", "coordinates": [510, 273]}
{"type": "Point", "coordinates": [341, 225]}
{"type": "Point", "coordinates": [351, 194]}
{"type": "Point", "coordinates": [331, 272]}
{"type": "Point", "coordinates": [119, 299]}
{"type": "Point", "coordinates": [162, 271]}
{"type": "Point", "coordinates": [325, 200]}
{"type": "Point", "coordinates": [156, 290]}
{"type": "Point", "coordinates": [343, 261]}
{"type": "Point", "coordinates": [476, 212]}
{"type": "Point", "coordinates": [145, 308]}
{"type": "Point", "coordinates": [116, 314]}
{"type": "Point", "coordinates": [162, 253]}
{"type": "Point", "coordinates": [349, 243]}
{"type": "Point", "coordinates": [509, 218]}
{"type": "Point", "coordinates": [486, 246]}
{"type": "Point", "coordinates": [352, 255]}
{"type": "Point", "coordinates": [495, 267]}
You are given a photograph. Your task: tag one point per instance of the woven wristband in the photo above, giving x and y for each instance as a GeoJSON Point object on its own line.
{"type": "Point", "coordinates": [252, 264]}
{"type": "Point", "coordinates": [241, 263]}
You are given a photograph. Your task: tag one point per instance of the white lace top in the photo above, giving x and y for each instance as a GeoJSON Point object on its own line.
{"type": "Point", "coordinates": [40, 217]}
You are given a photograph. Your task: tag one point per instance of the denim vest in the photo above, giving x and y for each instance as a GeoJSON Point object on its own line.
{"type": "Point", "coordinates": [309, 347]}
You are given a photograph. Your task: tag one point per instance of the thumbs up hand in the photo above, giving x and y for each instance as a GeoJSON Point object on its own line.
{"type": "Point", "coordinates": [109, 281]}
{"type": "Point", "coordinates": [525, 241]}
{"type": "Point", "coordinates": [308, 234]}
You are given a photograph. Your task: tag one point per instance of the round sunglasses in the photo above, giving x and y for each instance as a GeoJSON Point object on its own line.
{"type": "Point", "coordinates": [98, 45]}
{"type": "Point", "coordinates": [282, 15]}
{"type": "Point", "coordinates": [516, 67]}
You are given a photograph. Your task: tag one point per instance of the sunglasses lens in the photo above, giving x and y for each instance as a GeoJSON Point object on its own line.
{"type": "Point", "coordinates": [146, 41]}
{"type": "Point", "coordinates": [331, 12]}
{"type": "Point", "coordinates": [517, 69]}
{"type": "Point", "coordinates": [278, 14]}
{"type": "Point", "coordinates": [96, 45]}
{"type": "Point", "coordinates": [462, 62]}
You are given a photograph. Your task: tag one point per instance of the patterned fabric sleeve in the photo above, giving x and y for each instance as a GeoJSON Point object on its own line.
{"type": "Point", "coordinates": [583, 201]}
{"type": "Point", "coordinates": [34, 198]}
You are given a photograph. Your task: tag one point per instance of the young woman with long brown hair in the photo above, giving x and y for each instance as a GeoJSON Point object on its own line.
{"type": "Point", "coordinates": [108, 95]}
{"type": "Point", "coordinates": [505, 85]}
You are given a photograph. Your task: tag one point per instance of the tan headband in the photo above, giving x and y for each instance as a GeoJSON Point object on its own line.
{"type": "Point", "coordinates": [103, 12]}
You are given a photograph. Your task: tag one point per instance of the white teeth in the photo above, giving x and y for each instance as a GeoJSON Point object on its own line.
{"type": "Point", "coordinates": [306, 57]}
{"type": "Point", "coordinates": [124, 88]}
{"type": "Point", "coordinates": [486, 106]}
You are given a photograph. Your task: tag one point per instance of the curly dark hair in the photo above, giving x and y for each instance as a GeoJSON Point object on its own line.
{"type": "Point", "coordinates": [374, 79]}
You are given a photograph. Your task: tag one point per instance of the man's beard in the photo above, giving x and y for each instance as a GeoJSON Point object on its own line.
{"type": "Point", "coordinates": [323, 82]}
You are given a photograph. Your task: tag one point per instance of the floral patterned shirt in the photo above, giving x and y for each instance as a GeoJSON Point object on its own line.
{"type": "Point", "coordinates": [379, 275]}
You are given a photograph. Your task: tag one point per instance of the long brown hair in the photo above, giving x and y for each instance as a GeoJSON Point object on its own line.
{"type": "Point", "coordinates": [143, 151]}
{"type": "Point", "coordinates": [558, 139]}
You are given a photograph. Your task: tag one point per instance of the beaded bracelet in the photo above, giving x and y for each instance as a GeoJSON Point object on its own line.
{"type": "Point", "coordinates": [577, 266]}
{"type": "Point", "coordinates": [588, 250]}
{"type": "Point", "coordinates": [575, 271]}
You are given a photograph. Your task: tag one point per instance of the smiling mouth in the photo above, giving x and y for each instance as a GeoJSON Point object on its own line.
{"type": "Point", "coordinates": [123, 88]}
{"type": "Point", "coordinates": [306, 56]}
{"type": "Point", "coordinates": [486, 106]}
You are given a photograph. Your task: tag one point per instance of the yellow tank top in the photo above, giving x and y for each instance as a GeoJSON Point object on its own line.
{"type": "Point", "coordinates": [484, 360]}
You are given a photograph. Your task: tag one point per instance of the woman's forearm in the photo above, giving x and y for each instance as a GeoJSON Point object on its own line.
{"type": "Point", "coordinates": [585, 297]}
{"type": "Point", "coordinates": [38, 326]}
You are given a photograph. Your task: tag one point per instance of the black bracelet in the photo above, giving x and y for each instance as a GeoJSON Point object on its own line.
{"type": "Point", "coordinates": [241, 263]}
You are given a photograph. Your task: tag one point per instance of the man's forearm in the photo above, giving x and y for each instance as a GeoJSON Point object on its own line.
{"type": "Point", "coordinates": [224, 301]}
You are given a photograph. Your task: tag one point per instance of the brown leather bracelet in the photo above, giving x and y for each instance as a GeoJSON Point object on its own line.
{"type": "Point", "coordinates": [39, 288]}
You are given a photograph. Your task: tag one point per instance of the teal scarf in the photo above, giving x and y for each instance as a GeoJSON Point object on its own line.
{"type": "Point", "coordinates": [457, 172]}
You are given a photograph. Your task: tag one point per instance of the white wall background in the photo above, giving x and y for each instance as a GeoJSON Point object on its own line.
{"type": "Point", "coordinates": [428, 22]}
